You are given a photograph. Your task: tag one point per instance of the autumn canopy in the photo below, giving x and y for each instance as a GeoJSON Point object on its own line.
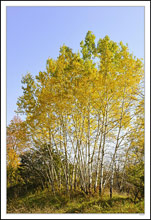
{"type": "Point", "coordinates": [84, 121]}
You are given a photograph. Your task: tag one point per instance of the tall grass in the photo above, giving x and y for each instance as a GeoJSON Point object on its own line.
{"type": "Point", "coordinates": [45, 202]}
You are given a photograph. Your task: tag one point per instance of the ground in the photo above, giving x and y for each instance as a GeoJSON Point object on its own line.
{"type": "Point", "coordinates": [45, 202]}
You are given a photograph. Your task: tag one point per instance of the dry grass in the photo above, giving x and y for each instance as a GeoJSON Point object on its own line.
{"type": "Point", "coordinates": [45, 202]}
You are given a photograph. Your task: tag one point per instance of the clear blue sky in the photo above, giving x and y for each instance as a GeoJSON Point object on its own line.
{"type": "Point", "coordinates": [36, 33]}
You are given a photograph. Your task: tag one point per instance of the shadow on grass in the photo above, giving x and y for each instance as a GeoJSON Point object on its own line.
{"type": "Point", "coordinates": [38, 200]}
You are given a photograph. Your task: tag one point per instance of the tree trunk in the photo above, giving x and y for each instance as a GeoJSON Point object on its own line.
{"type": "Point", "coordinates": [98, 159]}
{"type": "Point", "coordinates": [89, 158]}
{"type": "Point", "coordinates": [102, 157]}
{"type": "Point", "coordinates": [111, 182]}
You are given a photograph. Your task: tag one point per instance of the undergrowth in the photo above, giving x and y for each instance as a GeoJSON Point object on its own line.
{"type": "Point", "coordinates": [77, 202]}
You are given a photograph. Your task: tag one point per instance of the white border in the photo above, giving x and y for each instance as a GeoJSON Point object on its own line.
{"type": "Point", "coordinates": [147, 109]}
{"type": "Point", "coordinates": [76, 3]}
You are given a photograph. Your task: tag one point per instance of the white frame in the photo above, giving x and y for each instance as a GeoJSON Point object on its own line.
{"type": "Point", "coordinates": [146, 4]}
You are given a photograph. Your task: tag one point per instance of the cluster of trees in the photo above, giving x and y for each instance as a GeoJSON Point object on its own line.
{"type": "Point", "coordinates": [84, 121]}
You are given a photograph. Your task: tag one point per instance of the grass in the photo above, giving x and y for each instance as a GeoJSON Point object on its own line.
{"type": "Point", "coordinates": [45, 202]}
